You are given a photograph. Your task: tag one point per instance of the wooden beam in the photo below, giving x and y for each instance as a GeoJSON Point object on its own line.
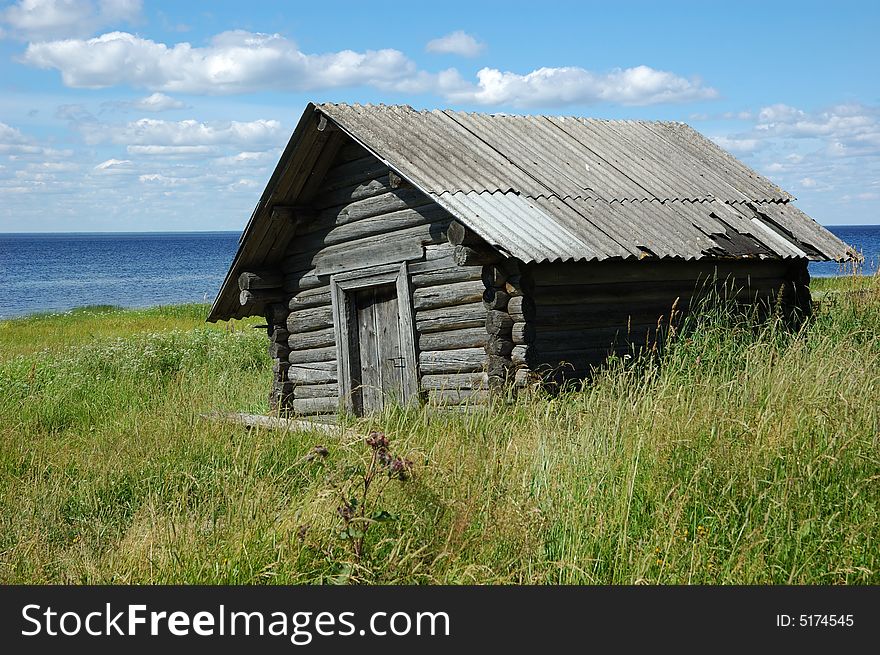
{"type": "Point", "coordinates": [260, 280]}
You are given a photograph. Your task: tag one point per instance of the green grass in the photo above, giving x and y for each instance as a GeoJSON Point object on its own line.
{"type": "Point", "coordinates": [743, 455]}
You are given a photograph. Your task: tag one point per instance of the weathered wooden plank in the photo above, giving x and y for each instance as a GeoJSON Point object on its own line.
{"type": "Point", "coordinates": [328, 390]}
{"type": "Point", "coordinates": [315, 405]}
{"type": "Point", "coordinates": [454, 381]}
{"type": "Point", "coordinates": [307, 320]}
{"type": "Point", "coordinates": [518, 355]}
{"type": "Point", "coordinates": [451, 318]}
{"type": "Point", "coordinates": [458, 293]}
{"type": "Point", "coordinates": [445, 275]}
{"type": "Point", "coordinates": [453, 339]}
{"type": "Point", "coordinates": [441, 397]}
{"type": "Point", "coordinates": [312, 373]}
{"type": "Point", "coordinates": [306, 298]}
{"type": "Point", "coordinates": [475, 256]}
{"type": "Point", "coordinates": [275, 423]}
{"type": "Point", "coordinates": [350, 151]}
{"type": "Point", "coordinates": [462, 360]}
{"type": "Point", "coordinates": [299, 259]}
{"type": "Point", "coordinates": [605, 315]}
{"type": "Point", "coordinates": [498, 323]}
{"type": "Point", "coordinates": [308, 340]}
{"type": "Point", "coordinates": [260, 280]}
{"type": "Point", "coordinates": [325, 354]}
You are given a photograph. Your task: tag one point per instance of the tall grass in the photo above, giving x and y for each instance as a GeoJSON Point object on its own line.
{"type": "Point", "coordinates": [744, 454]}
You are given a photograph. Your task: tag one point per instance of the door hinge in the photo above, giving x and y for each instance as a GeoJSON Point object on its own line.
{"type": "Point", "coordinates": [399, 362]}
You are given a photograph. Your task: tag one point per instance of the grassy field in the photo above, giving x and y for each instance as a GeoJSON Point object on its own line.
{"type": "Point", "coordinates": [743, 455]}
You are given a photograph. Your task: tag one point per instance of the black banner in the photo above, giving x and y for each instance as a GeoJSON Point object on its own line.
{"type": "Point", "coordinates": [436, 619]}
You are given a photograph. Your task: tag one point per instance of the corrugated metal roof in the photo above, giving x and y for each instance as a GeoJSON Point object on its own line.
{"type": "Point", "coordinates": [547, 188]}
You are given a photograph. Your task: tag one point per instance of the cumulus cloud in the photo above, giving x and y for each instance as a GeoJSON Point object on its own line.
{"type": "Point", "coordinates": [17, 145]}
{"type": "Point", "coordinates": [640, 85]}
{"type": "Point", "coordinates": [233, 62]}
{"type": "Point", "coordinates": [240, 62]}
{"type": "Point", "coordinates": [737, 144]}
{"type": "Point", "coordinates": [157, 102]}
{"type": "Point", "coordinates": [50, 19]}
{"type": "Point", "coordinates": [456, 43]}
{"type": "Point", "coordinates": [147, 135]}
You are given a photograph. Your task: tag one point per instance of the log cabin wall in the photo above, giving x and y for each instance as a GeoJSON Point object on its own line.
{"type": "Point", "coordinates": [570, 317]}
{"type": "Point", "coordinates": [366, 216]}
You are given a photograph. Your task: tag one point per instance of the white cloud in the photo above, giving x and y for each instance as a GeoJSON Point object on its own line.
{"type": "Point", "coordinates": [808, 182]}
{"type": "Point", "coordinates": [234, 62]}
{"type": "Point", "coordinates": [157, 102]}
{"type": "Point", "coordinates": [737, 144]}
{"type": "Point", "coordinates": [112, 163]}
{"type": "Point", "coordinates": [240, 62]}
{"type": "Point", "coordinates": [640, 85]}
{"type": "Point", "coordinates": [456, 43]}
{"type": "Point", "coordinates": [49, 19]}
{"type": "Point", "coordinates": [153, 133]}
{"type": "Point", "coordinates": [171, 150]}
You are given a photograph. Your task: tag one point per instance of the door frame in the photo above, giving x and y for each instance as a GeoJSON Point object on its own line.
{"type": "Point", "coordinates": [341, 286]}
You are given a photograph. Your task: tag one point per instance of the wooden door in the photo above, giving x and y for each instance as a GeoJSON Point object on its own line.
{"type": "Point", "coordinates": [380, 355]}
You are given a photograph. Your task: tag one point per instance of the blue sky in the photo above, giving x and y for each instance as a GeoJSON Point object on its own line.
{"type": "Point", "coordinates": [121, 115]}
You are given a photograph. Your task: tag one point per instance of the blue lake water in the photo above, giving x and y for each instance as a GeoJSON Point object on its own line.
{"type": "Point", "coordinates": [57, 272]}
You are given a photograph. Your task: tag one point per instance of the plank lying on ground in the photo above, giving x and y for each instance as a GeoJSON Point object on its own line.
{"type": "Point", "coordinates": [275, 422]}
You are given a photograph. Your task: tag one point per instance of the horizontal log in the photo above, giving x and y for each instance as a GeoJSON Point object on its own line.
{"type": "Point", "coordinates": [435, 251]}
{"type": "Point", "coordinates": [518, 355]}
{"type": "Point", "coordinates": [451, 318]}
{"type": "Point", "coordinates": [302, 280]}
{"type": "Point", "coordinates": [453, 339]}
{"type": "Point", "coordinates": [459, 235]}
{"type": "Point", "coordinates": [521, 333]}
{"type": "Point", "coordinates": [521, 308]}
{"type": "Point", "coordinates": [373, 225]}
{"type": "Point", "coordinates": [462, 360]}
{"type": "Point", "coordinates": [499, 346]}
{"type": "Point", "coordinates": [446, 275]}
{"type": "Point", "coordinates": [312, 373]}
{"type": "Point", "coordinates": [350, 151]}
{"type": "Point", "coordinates": [604, 315]}
{"type": "Point", "coordinates": [445, 295]}
{"type": "Point", "coordinates": [308, 355]}
{"type": "Point", "coordinates": [468, 256]}
{"type": "Point", "coordinates": [494, 298]}
{"type": "Point", "coordinates": [260, 296]}
{"type": "Point", "coordinates": [379, 249]}
{"type": "Point", "coordinates": [328, 390]}
{"type": "Point", "coordinates": [308, 340]}
{"type": "Point", "coordinates": [260, 280]}
{"type": "Point", "coordinates": [314, 405]}
{"type": "Point", "coordinates": [308, 320]}
{"type": "Point", "coordinates": [441, 397]}
{"type": "Point", "coordinates": [352, 172]}
{"type": "Point", "coordinates": [454, 381]}
{"type": "Point", "coordinates": [614, 272]}
{"type": "Point", "coordinates": [352, 193]}
{"type": "Point", "coordinates": [498, 323]}
{"type": "Point", "coordinates": [306, 298]}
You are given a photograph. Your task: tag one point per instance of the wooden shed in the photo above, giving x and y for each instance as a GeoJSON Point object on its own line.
{"type": "Point", "coordinates": [403, 256]}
